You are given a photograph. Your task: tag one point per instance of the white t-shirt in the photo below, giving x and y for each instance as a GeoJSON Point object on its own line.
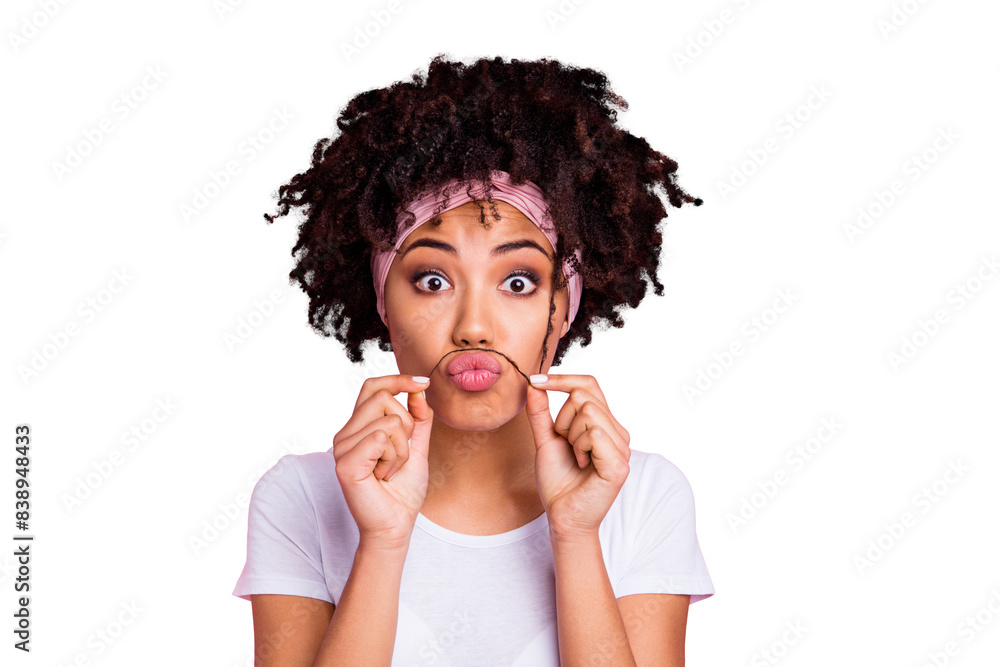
{"type": "Point", "coordinates": [469, 599]}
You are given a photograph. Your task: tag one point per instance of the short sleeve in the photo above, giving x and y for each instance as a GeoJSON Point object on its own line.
{"type": "Point", "coordinates": [665, 554]}
{"type": "Point", "coordinates": [283, 552]}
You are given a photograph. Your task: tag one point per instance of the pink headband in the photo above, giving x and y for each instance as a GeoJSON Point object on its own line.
{"type": "Point", "coordinates": [527, 198]}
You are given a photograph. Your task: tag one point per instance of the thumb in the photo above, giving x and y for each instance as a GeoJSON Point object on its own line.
{"type": "Point", "coordinates": [423, 420]}
{"type": "Point", "coordinates": [539, 416]}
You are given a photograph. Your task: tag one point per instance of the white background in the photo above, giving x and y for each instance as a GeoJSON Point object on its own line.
{"type": "Point", "coordinates": [126, 538]}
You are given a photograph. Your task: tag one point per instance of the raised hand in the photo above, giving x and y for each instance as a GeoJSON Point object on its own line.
{"type": "Point", "coordinates": [381, 455]}
{"type": "Point", "coordinates": [581, 459]}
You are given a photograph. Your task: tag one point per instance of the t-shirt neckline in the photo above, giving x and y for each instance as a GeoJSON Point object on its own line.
{"type": "Point", "coordinates": [481, 541]}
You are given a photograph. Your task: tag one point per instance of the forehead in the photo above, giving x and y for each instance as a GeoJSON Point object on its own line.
{"type": "Point", "coordinates": [461, 225]}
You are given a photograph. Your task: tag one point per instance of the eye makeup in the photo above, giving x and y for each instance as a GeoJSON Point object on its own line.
{"type": "Point", "coordinates": [531, 275]}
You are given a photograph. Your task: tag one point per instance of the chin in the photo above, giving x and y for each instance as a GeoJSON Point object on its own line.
{"type": "Point", "coordinates": [475, 413]}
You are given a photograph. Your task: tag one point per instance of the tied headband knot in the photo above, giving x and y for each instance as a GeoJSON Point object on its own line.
{"type": "Point", "coordinates": [526, 197]}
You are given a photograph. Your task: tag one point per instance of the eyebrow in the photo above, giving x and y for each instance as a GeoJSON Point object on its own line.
{"type": "Point", "coordinates": [502, 249]}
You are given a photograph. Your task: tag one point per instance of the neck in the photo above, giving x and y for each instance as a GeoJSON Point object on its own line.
{"type": "Point", "coordinates": [482, 470]}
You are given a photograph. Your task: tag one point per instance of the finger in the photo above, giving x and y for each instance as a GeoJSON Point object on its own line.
{"type": "Point", "coordinates": [568, 382]}
{"type": "Point", "coordinates": [581, 388]}
{"type": "Point", "coordinates": [423, 421]}
{"type": "Point", "coordinates": [393, 427]}
{"type": "Point", "coordinates": [417, 437]}
{"type": "Point", "coordinates": [388, 454]}
{"type": "Point", "coordinates": [394, 384]}
{"type": "Point", "coordinates": [582, 457]}
{"type": "Point", "coordinates": [597, 413]}
{"type": "Point", "coordinates": [587, 416]}
{"type": "Point", "coordinates": [539, 417]}
{"type": "Point", "coordinates": [609, 461]}
{"type": "Point", "coordinates": [361, 461]}
{"type": "Point", "coordinates": [380, 402]}
{"type": "Point", "coordinates": [419, 420]}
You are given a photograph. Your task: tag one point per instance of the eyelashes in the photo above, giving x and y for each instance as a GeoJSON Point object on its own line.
{"type": "Point", "coordinates": [519, 273]}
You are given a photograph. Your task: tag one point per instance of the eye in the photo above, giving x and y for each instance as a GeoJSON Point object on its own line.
{"type": "Point", "coordinates": [434, 283]}
{"type": "Point", "coordinates": [520, 282]}
{"type": "Point", "coordinates": [517, 280]}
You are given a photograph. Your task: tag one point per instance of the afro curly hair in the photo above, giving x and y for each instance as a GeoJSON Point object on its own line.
{"type": "Point", "coordinates": [540, 121]}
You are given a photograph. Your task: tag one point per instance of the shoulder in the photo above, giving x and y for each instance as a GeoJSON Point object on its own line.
{"type": "Point", "coordinates": [652, 474]}
{"type": "Point", "coordinates": [302, 466]}
{"type": "Point", "coordinates": [655, 487]}
{"type": "Point", "coordinates": [298, 478]}
{"type": "Point", "coordinates": [657, 548]}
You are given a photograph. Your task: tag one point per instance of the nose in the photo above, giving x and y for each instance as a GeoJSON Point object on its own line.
{"type": "Point", "coordinates": [474, 320]}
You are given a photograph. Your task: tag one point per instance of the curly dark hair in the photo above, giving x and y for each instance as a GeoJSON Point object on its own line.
{"type": "Point", "coordinates": [540, 121]}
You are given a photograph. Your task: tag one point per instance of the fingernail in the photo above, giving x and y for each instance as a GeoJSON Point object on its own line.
{"type": "Point", "coordinates": [539, 379]}
{"type": "Point", "coordinates": [420, 379]}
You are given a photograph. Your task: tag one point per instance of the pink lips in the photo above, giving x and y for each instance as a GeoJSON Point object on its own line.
{"type": "Point", "coordinates": [474, 371]}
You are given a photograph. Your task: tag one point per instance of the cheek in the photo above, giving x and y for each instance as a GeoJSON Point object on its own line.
{"type": "Point", "coordinates": [408, 337]}
{"type": "Point", "coordinates": [404, 322]}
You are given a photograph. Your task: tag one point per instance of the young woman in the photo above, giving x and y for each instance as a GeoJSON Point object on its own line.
{"type": "Point", "coordinates": [471, 527]}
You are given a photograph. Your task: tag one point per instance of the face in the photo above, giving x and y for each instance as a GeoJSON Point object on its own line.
{"type": "Point", "coordinates": [455, 287]}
